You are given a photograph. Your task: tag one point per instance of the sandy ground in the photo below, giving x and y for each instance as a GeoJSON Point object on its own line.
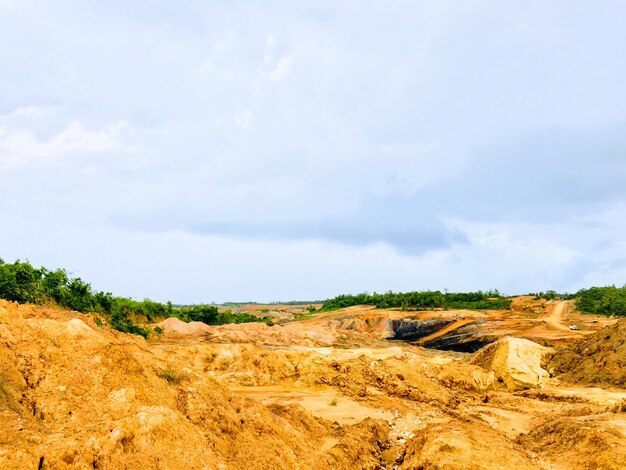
{"type": "Point", "coordinates": [325, 392]}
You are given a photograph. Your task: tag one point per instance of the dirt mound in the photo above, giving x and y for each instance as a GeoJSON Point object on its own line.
{"type": "Point", "coordinates": [277, 335]}
{"type": "Point", "coordinates": [467, 377]}
{"type": "Point", "coordinates": [77, 396]}
{"type": "Point", "coordinates": [456, 445]}
{"type": "Point", "coordinates": [311, 333]}
{"type": "Point", "coordinates": [356, 375]}
{"type": "Point", "coordinates": [401, 377]}
{"type": "Point", "coordinates": [516, 363]}
{"type": "Point", "coordinates": [599, 359]}
{"type": "Point", "coordinates": [574, 442]}
{"type": "Point", "coordinates": [175, 325]}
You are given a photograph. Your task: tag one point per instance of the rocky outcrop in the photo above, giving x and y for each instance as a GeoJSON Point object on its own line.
{"type": "Point", "coordinates": [515, 362]}
{"type": "Point", "coordinates": [467, 338]}
{"type": "Point", "coordinates": [411, 329]}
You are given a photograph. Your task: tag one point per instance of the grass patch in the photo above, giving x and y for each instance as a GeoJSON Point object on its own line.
{"type": "Point", "coordinates": [303, 316]}
{"type": "Point", "coordinates": [173, 376]}
{"type": "Point", "coordinates": [333, 402]}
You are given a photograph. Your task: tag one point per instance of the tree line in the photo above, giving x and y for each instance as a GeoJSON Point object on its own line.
{"type": "Point", "coordinates": [607, 301]}
{"type": "Point", "coordinates": [423, 300]}
{"type": "Point", "coordinates": [21, 282]}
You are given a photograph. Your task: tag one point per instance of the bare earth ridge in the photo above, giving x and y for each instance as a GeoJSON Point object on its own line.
{"type": "Point", "coordinates": [332, 391]}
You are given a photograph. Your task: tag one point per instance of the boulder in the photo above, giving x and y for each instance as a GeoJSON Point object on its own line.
{"type": "Point", "coordinates": [515, 362]}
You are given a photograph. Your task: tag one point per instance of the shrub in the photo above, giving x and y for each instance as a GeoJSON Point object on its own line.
{"type": "Point", "coordinates": [173, 376]}
{"type": "Point", "coordinates": [205, 313]}
{"type": "Point", "coordinates": [119, 321]}
{"type": "Point", "coordinates": [21, 282]}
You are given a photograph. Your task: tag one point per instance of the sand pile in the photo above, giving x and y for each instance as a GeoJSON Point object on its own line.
{"type": "Point", "coordinates": [515, 362]}
{"type": "Point", "coordinates": [598, 359]}
{"type": "Point", "coordinates": [175, 325]}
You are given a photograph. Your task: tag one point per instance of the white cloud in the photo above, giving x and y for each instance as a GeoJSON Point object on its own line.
{"type": "Point", "coordinates": [282, 68]}
{"type": "Point", "coordinates": [9, 3]}
{"type": "Point", "coordinates": [244, 119]}
{"type": "Point", "coordinates": [270, 41]}
{"type": "Point", "coordinates": [207, 68]}
{"type": "Point", "coordinates": [21, 147]}
{"type": "Point", "coordinates": [28, 111]}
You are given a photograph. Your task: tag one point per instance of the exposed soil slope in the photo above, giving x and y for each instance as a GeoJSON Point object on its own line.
{"type": "Point", "coordinates": [598, 359]}
{"type": "Point", "coordinates": [76, 396]}
{"type": "Point", "coordinates": [323, 393]}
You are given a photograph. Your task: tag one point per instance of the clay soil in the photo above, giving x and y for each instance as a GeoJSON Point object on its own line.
{"type": "Point", "coordinates": [330, 391]}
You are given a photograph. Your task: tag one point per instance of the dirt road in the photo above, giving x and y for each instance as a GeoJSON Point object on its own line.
{"type": "Point", "coordinates": [557, 318]}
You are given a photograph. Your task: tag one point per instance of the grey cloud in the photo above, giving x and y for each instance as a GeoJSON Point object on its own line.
{"type": "Point", "coordinates": [409, 240]}
{"type": "Point", "coordinates": [409, 234]}
{"type": "Point", "coordinates": [555, 176]}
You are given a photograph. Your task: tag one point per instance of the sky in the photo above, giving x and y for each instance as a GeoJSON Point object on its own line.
{"type": "Point", "coordinates": [238, 150]}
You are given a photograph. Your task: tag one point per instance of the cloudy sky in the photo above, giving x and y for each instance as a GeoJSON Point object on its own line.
{"type": "Point", "coordinates": [209, 151]}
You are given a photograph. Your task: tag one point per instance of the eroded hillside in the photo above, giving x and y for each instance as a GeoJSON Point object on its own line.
{"type": "Point", "coordinates": [329, 392]}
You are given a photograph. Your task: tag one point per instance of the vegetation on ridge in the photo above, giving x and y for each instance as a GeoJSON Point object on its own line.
{"type": "Point", "coordinates": [605, 301]}
{"type": "Point", "coordinates": [423, 300]}
{"type": "Point", "coordinates": [608, 301]}
{"type": "Point", "coordinates": [21, 282]}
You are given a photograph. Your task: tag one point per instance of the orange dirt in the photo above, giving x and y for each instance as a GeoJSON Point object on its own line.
{"type": "Point", "coordinates": [598, 359]}
{"type": "Point", "coordinates": [327, 392]}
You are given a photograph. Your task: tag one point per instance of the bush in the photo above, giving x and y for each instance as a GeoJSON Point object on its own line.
{"type": "Point", "coordinates": [172, 375]}
{"type": "Point", "coordinates": [210, 315]}
{"type": "Point", "coordinates": [205, 313]}
{"type": "Point", "coordinates": [20, 282]}
{"type": "Point", "coordinates": [119, 321]}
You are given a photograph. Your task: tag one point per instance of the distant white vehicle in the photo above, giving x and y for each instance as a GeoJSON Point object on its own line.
{"type": "Point", "coordinates": [573, 327]}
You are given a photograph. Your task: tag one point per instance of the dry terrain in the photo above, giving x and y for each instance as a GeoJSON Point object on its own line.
{"type": "Point", "coordinates": [355, 388]}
